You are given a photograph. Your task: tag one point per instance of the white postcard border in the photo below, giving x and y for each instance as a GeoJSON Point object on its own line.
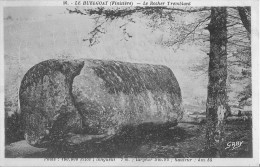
{"type": "Point", "coordinates": [132, 162]}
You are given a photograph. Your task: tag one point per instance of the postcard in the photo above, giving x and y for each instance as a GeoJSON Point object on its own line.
{"type": "Point", "coordinates": [129, 83]}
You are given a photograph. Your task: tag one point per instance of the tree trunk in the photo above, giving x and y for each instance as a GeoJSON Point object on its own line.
{"type": "Point", "coordinates": [245, 16]}
{"type": "Point", "coordinates": [217, 98]}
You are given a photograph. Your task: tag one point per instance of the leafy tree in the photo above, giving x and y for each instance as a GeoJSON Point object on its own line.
{"type": "Point", "coordinates": [218, 28]}
{"type": "Point", "coordinates": [217, 71]}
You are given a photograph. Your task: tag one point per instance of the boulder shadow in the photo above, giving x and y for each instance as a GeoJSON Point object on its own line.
{"type": "Point", "coordinates": [126, 143]}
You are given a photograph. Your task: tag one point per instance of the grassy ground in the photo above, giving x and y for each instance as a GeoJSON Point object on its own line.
{"type": "Point", "coordinates": [183, 141]}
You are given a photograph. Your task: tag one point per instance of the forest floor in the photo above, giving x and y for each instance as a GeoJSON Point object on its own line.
{"type": "Point", "coordinates": [182, 141]}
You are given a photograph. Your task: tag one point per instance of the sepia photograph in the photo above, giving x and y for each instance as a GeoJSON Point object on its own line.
{"type": "Point", "coordinates": [162, 80]}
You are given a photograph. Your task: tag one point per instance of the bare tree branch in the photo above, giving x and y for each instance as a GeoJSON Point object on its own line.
{"type": "Point", "coordinates": [116, 13]}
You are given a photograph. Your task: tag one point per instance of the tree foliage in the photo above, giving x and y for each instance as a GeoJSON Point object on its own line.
{"type": "Point", "coordinates": [225, 30]}
{"type": "Point", "coordinates": [171, 21]}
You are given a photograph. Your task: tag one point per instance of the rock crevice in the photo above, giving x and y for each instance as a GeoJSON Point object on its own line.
{"type": "Point", "coordinates": [86, 99]}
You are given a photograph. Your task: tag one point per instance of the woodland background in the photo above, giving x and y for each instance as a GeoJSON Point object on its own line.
{"type": "Point", "coordinates": [34, 34]}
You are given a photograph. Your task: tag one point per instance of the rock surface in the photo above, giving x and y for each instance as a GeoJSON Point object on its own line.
{"type": "Point", "coordinates": [21, 149]}
{"type": "Point", "coordinates": [62, 99]}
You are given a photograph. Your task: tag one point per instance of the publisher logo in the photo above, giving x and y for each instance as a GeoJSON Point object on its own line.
{"type": "Point", "coordinates": [234, 145]}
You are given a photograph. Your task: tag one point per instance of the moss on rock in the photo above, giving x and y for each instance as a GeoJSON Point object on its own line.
{"type": "Point", "coordinates": [88, 96]}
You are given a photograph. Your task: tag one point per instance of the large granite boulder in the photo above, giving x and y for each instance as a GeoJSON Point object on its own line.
{"type": "Point", "coordinates": [80, 100]}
